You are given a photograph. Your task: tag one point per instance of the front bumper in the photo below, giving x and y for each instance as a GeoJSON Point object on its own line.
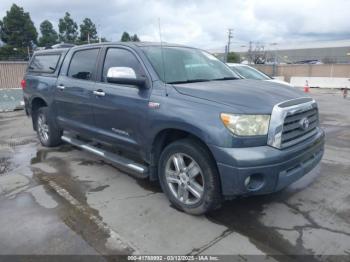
{"type": "Point", "coordinates": [278, 168]}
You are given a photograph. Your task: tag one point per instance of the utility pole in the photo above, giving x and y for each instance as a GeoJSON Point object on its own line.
{"type": "Point", "coordinates": [28, 51]}
{"type": "Point", "coordinates": [99, 31]}
{"type": "Point", "coordinates": [250, 54]}
{"type": "Point", "coordinates": [230, 36]}
{"type": "Point", "coordinates": [274, 69]}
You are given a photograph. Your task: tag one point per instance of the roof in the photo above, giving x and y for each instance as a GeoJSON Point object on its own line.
{"type": "Point", "coordinates": [138, 44]}
{"type": "Point", "coordinates": [52, 50]}
{"type": "Point", "coordinates": [130, 44]}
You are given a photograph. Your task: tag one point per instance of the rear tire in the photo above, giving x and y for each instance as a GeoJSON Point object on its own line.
{"type": "Point", "coordinates": [48, 132]}
{"type": "Point", "coordinates": [191, 184]}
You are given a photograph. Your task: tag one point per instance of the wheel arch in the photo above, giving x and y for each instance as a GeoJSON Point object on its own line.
{"type": "Point", "coordinates": [166, 136]}
{"type": "Point", "coordinates": [36, 103]}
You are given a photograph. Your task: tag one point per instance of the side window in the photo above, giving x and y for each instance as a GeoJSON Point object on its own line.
{"type": "Point", "coordinates": [44, 63]}
{"type": "Point", "coordinates": [117, 57]}
{"type": "Point", "coordinates": [83, 64]}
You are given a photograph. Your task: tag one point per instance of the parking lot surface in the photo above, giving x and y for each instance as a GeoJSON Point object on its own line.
{"type": "Point", "coordinates": [66, 201]}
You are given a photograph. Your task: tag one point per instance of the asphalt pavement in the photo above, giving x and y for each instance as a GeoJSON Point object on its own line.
{"type": "Point", "coordinates": [64, 201]}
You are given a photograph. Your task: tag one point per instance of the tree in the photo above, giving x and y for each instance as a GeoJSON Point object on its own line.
{"type": "Point", "coordinates": [103, 39]}
{"type": "Point", "coordinates": [9, 52]}
{"type": "Point", "coordinates": [67, 29]}
{"type": "Point", "coordinates": [233, 57]}
{"type": "Point", "coordinates": [49, 36]}
{"type": "Point", "coordinates": [125, 37]}
{"type": "Point", "coordinates": [88, 30]}
{"type": "Point", "coordinates": [17, 29]}
{"type": "Point", "coordinates": [135, 38]}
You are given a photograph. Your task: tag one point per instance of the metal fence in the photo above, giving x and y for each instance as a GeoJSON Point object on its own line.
{"type": "Point", "coordinates": [11, 74]}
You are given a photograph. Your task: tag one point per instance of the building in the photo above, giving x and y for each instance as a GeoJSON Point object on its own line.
{"type": "Point", "coordinates": [317, 52]}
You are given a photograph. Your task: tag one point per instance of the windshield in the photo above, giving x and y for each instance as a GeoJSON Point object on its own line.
{"type": "Point", "coordinates": [250, 73]}
{"type": "Point", "coordinates": [185, 65]}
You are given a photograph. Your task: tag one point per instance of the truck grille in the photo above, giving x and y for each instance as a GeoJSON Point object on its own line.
{"type": "Point", "coordinates": [292, 122]}
{"type": "Point", "coordinates": [299, 126]}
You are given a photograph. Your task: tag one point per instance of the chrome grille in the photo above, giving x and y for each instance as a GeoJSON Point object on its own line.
{"type": "Point", "coordinates": [293, 131]}
{"type": "Point", "coordinates": [292, 122]}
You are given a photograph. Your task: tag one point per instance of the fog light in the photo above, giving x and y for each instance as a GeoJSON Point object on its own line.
{"type": "Point", "coordinates": [247, 181]}
{"type": "Point", "coordinates": [254, 182]}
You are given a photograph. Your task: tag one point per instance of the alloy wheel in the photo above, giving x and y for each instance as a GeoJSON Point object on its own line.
{"type": "Point", "coordinates": [184, 178]}
{"type": "Point", "coordinates": [43, 128]}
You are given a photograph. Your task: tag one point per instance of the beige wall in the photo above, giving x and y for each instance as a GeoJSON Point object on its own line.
{"type": "Point", "coordinates": [11, 74]}
{"type": "Point", "coordinates": [324, 70]}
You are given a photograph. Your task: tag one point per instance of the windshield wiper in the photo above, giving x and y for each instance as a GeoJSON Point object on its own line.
{"type": "Point", "coordinates": [190, 81]}
{"type": "Point", "coordinates": [226, 78]}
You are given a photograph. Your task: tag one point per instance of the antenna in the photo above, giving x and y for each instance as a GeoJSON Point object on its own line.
{"type": "Point", "coordinates": [162, 54]}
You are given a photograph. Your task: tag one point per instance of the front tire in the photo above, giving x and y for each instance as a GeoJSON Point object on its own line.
{"type": "Point", "coordinates": [48, 133]}
{"type": "Point", "coordinates": [189, 177]}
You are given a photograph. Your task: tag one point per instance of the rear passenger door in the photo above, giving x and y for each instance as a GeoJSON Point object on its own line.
{"type": "Point", "coordinates": [73, 96]}
{"type": "Point", "coordinates": [120, 114]}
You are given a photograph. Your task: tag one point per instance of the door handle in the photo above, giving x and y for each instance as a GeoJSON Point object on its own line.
{"type": "Point", "coordinates": [99, 92]}
{"type": "Point", "coordinates": [61, 87]}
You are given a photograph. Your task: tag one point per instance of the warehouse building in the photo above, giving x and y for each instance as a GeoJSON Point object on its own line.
{"type": "Point", "coordinates": [318, 52]}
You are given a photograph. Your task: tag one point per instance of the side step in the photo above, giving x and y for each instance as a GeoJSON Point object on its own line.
{"type": "Point", "coordinates": [121, 162]}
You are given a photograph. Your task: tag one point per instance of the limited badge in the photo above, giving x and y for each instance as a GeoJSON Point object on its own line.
{"type": "Point", "coordinates": [153, 105]}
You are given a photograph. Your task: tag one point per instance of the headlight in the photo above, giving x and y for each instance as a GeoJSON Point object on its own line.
{"type": "Point", "coordinates": [246, 125]}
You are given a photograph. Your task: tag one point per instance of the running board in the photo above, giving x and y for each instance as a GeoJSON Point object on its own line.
{"type": "Point", "coordinates": [121, 162]}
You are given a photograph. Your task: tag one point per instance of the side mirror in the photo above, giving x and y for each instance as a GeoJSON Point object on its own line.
{"type": "Point", "coordinates": [124, 76]}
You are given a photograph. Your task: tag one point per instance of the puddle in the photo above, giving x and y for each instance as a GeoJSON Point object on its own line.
{"type": "Point", "coordinates": [4, 165]}
{"type": "Point", "coordinates": [42, 153]}
{"type": "Point", "coordinates": [146, 184]}
{"type": "Point", "coordinates": [99, 188]}
{"type": "Point", "coordinates": [73, 208]}
{"type": "Point", "coordinates": [283, 223]}
{"type": "Point", "coordinates": [240, 215]}
{"type": "Point", "coordinates": [19, 141]}
{"type": "Point", "coordinates": [243, 216]}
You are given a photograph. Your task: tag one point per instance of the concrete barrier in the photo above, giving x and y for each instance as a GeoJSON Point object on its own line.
{"type": "Point", "coordinates": [321, 82]}
{"type": "Point", "coordinates": [281, 78]}
{"type": "Point", "coordinates": [11, 99]}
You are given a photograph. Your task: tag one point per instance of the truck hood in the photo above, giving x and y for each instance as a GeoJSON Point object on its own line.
{"type": "Point", "coordinates": [249, 96]}
{"type": "Point", "coordinates": [280, 82]}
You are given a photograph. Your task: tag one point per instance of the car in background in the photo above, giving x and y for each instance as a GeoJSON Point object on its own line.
{"type": "Point", "coordinates": [249, 72]}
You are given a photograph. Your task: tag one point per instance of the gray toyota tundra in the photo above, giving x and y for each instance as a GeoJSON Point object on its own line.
{"type": "Point", "coordinates": [174, 114]}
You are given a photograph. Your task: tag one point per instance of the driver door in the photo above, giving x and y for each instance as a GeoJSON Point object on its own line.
{"type": "Point", "coordinates": [120, 110]}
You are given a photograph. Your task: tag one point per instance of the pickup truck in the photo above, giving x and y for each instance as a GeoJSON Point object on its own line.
{"type": "Point", "coordinates": [175, 114]}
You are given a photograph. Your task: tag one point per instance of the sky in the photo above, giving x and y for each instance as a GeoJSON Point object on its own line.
{"type": "Point", "coordinates": [202, 23]}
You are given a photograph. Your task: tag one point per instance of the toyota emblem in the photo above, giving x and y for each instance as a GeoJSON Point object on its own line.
{"type": "Point", "coordinates": [304, 123]}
